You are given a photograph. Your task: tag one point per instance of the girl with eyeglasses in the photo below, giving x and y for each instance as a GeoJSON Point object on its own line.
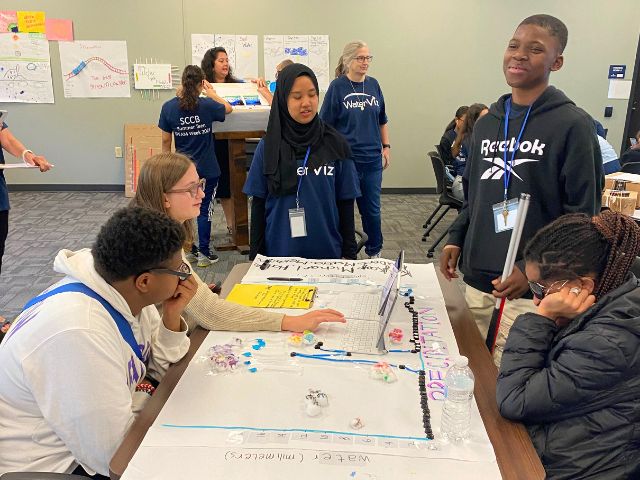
{"type": "Point", "coordinates": [169, 183]}
{"type": "Point", "coordinates": [354, 106]}
{"type": "Point", "coordinates": [188, 119]}
{"type": "Point", "coordinates": [571, 370]}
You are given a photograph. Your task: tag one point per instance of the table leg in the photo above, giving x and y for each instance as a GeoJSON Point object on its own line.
{"type": "Point", "coordinates": [238, 175]}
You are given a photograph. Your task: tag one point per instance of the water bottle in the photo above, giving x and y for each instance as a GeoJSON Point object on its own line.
{"type": "Point", "coordinates": [456, 413]}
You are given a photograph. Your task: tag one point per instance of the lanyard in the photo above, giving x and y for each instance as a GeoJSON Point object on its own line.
{"type": "Point", "coordinates": [118, 318]}
{"type": "Point", "coordinates": [304, 172]}
{"type": "Point", "coordinates": [508, 167]}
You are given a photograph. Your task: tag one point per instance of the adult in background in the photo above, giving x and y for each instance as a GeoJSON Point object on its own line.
{"type": "Point", "coordinates": [13, 146]}
{"type": "Point", "coordinates": [354, 106]}
{"type": "Point", "coordinates": [215, 65]}
{"type": "Point", "coordinates": [188, 119]}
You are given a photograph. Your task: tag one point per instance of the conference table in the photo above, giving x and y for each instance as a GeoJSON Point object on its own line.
{"type": "Point", "coordinates": [515, 455]}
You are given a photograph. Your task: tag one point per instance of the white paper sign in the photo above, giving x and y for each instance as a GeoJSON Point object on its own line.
{"type": "Point", "coordinates": [620, 89]}
{"type": "Point", "coordinates": [94, 69]}
{"type": "Point", "coordinates": [242, 51]}
{"type": "Point", "coordinates": [25, 68]}
{"type": "Point", "coordinates": [152, 76]}
{"type": "Point", "coordinates": [311, 50]}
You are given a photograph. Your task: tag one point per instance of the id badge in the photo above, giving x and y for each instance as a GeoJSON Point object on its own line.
{"type": "Point", "coordinates": [297, 222]}
{"type": "Point", "coordinates": [504, 216]}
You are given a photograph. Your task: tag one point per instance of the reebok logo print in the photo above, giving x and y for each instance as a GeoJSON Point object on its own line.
{"type": "Point", "coordinates": [496, 170]}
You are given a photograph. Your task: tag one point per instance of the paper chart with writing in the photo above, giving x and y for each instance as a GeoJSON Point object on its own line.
{"type": "Point", "coordinates": [25, 69]}
{"type": "Point", "coordinates": [260, 419]}
{"type": "Point", "coordinates": [365, 272]}
{"type": "Point", "coordinates": [242, 51]}
{"type": "Point", "coordinates": [94, 69]}
{"type": "Point", "coordinates": [152, 76]}
{"type": "Point", "coordinates": [312, 50]}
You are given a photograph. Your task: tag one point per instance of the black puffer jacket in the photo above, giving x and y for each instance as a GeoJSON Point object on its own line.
{"type": "Point", "coordinates": [578, 389]}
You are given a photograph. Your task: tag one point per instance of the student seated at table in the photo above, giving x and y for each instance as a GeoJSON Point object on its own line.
{"type": "Point", "coordinates": [169, 183]}
{"type": "Point", "coordinates": [571, 370]}
{"type": "Point", "coordinates": [302, 181]}
{"type": "Point", "coordinates": [74, 362]}
{"type": "Point", "coordinates": [450, 134]}
{"type": "Point", "coordinates": [631, 158]}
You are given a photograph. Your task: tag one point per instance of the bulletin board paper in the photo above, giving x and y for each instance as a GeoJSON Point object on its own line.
{"type": "Point", "coordinates": [152, 76]}
{"type": "Point", "coordinates": [8, 21]}
{"type": "Point", "coordinates": [59, 29]}
{"type": "Point", "coordinates": [31, 22]}
{"type": "Point", "coordinates": [141, 142]}
{"type": "Point", "coordinates": [95, 69]}
{"type": "Point", "coordinates": [311, 50]}
{"type": "Point", "coordinates": [25, 69]}
{"type": "Point", "coordinates": [242, 51]}
{"type": "Point", "coordinates": [260, 419]}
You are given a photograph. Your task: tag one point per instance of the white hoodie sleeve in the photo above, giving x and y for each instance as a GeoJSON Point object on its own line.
{"type": "Point", "coordinates": [79, 383]}
{"type": "Point", "coordinates": [167, 346]}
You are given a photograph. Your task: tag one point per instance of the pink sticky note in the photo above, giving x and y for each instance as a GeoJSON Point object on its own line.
{"type": "Point", "coordinates": [59, 29]}
{"type": "Point", "coordinates": [8, 21]}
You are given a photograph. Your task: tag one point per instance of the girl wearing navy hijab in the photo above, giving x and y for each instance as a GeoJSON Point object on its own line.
{"type": "Point", "coordinates": [302, 180]}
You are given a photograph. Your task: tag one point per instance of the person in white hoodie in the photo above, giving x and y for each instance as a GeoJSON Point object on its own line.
{"type": "Point", "coordinates": [74, 362]}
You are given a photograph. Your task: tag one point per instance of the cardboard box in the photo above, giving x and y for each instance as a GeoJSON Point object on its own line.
{"type": "Point", "coordinates": [623, 202]}
{"type": "Point", "coordinates": [141, 142]}
{"type": "Point", "coordinates": [633, 183]}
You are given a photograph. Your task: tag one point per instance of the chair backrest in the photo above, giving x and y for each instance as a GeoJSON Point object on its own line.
{"type": "Point", "coordinates": [631, 167]}
{"type": "Point", "coordinates": [635, 267]}
{"type": "Point", "coordinates": [446, 157]}
{"type": "Point", "coordinates": [438, 170]}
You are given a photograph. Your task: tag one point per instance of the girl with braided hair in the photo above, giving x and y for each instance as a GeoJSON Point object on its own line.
{"type": "Point", "coordinates": [571, 370]}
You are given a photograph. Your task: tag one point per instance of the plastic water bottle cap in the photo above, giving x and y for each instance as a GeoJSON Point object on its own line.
{"type": "Point", "coordinates": [462, 361]}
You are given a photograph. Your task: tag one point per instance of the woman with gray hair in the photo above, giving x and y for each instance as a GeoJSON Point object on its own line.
{"type": "Point", "coordinates": [354, 106]}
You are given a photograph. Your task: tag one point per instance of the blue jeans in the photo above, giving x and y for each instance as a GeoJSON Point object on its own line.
{"type": "Point", "coordinates": [370, 176]}
{"type": "Point", "coordinates": [206, 215]}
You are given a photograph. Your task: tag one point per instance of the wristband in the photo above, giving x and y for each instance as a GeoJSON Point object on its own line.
{"type": "Point", "coordinates": [146, 388]}
{"type": "Point", "coordinates": [24, 153]}
{"type": "Point", "coordinates": [384, 145]}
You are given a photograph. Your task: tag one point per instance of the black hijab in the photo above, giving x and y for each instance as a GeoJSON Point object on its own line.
{"type": "Point", "coordinates": [285, 137]}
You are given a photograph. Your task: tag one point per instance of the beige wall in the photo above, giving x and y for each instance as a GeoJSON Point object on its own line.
{"type": "Point", "coordinates": [430, 57]}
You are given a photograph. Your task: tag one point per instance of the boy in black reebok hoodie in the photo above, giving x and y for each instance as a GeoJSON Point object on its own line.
{"type": "Point", "coordinates": [557, 161]}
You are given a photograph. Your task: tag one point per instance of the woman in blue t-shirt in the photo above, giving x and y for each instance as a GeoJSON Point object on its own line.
{"type": "Point", "coordinates": [216, 68]}
{"type": "Point", "coordinates": [354, 106]}
{"type": "Point", "coordinates": [188, 119]}
{"type": "Point", "coordinates": [302, 180]}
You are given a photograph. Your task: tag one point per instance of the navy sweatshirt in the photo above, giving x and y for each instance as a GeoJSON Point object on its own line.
{"type": "Point", "coordinates": [558, 163]}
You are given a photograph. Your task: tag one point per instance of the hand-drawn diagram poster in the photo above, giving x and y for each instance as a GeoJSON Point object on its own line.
{"type": "Point", "coordinates": [92, 69]}
{"type": "Point", "coordinates": [152, 76]}
{"type": "Point", "coordinates": [242, 51]}
{"type": "Point", "coordinates": [25, 68]}
{"type": "Point", "coordinates": [312, 50]}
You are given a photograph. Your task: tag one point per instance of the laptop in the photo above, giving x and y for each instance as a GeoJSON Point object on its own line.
{"type": "Point", "coordinates": [368, 305]}
{"type": "Point", "coordinates": [367, 336]}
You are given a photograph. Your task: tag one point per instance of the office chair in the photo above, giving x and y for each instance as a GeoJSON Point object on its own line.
{"type": "Point", "coordinates": [446, 200]}
{"type": "Point", "coordinates": [631, 167]}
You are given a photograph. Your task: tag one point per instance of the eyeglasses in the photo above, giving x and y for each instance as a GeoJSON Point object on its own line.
{"type": "Point", "coordinates": [540, 291]}
{"type": "Point", "coordinates": [193, 189]}
{"type": "Point", "coordinates": [183, 272]}
{"type": "Point", "coordinates": [368, 58]}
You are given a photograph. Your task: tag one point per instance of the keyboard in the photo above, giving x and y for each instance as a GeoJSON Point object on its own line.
{"type": "Point", "coordinates": [361, 336]}
{"type": "Point", "coordinates": [364, 306]}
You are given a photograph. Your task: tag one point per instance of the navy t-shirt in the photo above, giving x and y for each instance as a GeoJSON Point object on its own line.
{"type": "Point", "coordinates": [356, 110]}
{"type": "Point", "coordinates": [4, 193]}
{"type": "Point", "coordinates": [320, 190]}
{"type": "Point", "coordinates": [192, 132]}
